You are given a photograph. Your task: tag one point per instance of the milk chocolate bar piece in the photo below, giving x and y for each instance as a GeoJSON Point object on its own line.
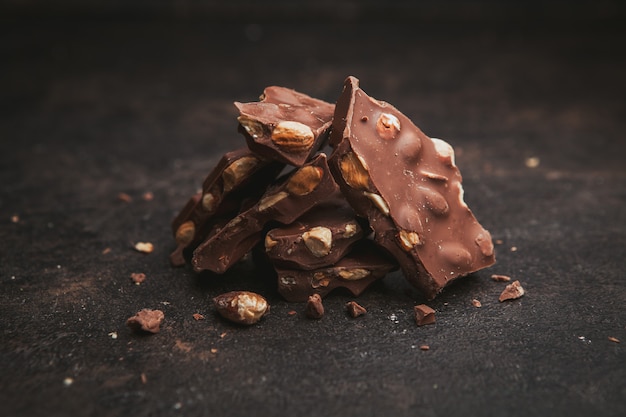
{"type": "Point", "coordinates": [409, 188]}
{"type": "Point", "coordinates": [285, 125]}
{"type": "Point", "coordinates": [363, 266]}
{"type": "Point", "coordinates": [239, 175]}
{"type": "Point", "coordinates": [319, 238]}
{"type": "Point", "coordinates": [302, 190]}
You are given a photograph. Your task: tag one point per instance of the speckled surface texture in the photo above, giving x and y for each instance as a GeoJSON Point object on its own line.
{"type": "Point", "coordinates": [93, 108]}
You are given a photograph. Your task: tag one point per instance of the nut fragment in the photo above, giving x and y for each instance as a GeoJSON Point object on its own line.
{"type": "Point", "coordinates": [270, 200]}
{"type": "Point", "coordinates": [269, 243]}
{"type": "Point", "coordinates": [243, 307]}
{"type": "Point", "coordinates": [238, 171]}
{"type": "Point", "coordinates": [512, 291]}
{"type": "Point", "coordinates": [354, 309]}
{"type": "Point", "coordinates": [388, 126]}
{"type": "Point", "coordinates": [408, 239]}
{"type": "Point", "coordinates": [185, 233]}
{"type": "Point", "coordinates": [146, 320]}
{"type": "Point", "coordinates": [145, 247]}
{"type": "Point", "coordinates": [354, 274]}
{"type": "Point", "coordinates": [254, 128]}
{"type": "Point", "coordinates": [318, 240]}
{"type": "Point", "coordinates": [424, 315]}
{"type": "Point", "coordinates": [353, 172]}
{"type": "Point", "coordinates": [293, 136]}
{"type": "Point", "coordinates": [500, 278]}
{"type": "Point", "coordinates": [211, 200]}
{"type": "Point", "coordinates": [305, 180]}
{"type": "Point", "coordinates": [314, 308]}
{"type": "Point", "coordinates": [445, 152]}
{"type": "Point", "coordinates": [379, 202]}
{"type": "Point", "coordinates": [351, 229]}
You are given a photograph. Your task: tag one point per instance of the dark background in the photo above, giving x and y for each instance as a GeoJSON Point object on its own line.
{"type": "Point", "coordinates": [103, 97]}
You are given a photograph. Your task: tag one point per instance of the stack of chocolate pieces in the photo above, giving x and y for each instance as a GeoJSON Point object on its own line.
{"type": "Point", "coordinates": [387, 196]}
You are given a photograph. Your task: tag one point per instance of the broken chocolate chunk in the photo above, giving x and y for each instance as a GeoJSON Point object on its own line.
{"type": "Point", "coordinates": [286, 125]}
{"type": "Point", "coordinates": [424, 315]}
{"type": "Point", "coordinates": [239, 175]}
{"type": "Point", "coordinates": [408, 187]}
{"type": "Point", "coordinates": [355, 309]}
{"type": "Point", "coordinates": [306, 187]}
{"type": "Point", "coordinates": [314, 308]}
{"type": "Point", "coordinates": [146, 320]}
{"type": "Point", "coordinates": [356, 271]}
{"type": "Point", "coordinates": [242, 307]}
{"type": "Point", "coordinates": [319, 238]}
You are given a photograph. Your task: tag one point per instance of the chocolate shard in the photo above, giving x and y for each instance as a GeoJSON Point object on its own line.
{"type": "Point", "coordinates": [319, 238]}
{"type": "Point", "coordinates": [302, 190]}
{"type": "Point", "coordinates": [363, 266]}
{"type": "Point", "coordinates": [286, 125]}
{"type": "Point", "coordinates": [238, 176]}
{"type": "Point", "coordinates": [408, 187]}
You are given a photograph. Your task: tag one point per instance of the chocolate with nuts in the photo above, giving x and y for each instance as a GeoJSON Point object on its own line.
{"type": "Point", "coordinates": [409, 188]}
{"type": "Point", "coordinates": [239, 175]}
{"type": "Point", "coordinates": [319, 238]}
{"type": "Point", "coordinates": [356, 271]}
{"type": "Point", "coordinates": [285, 125]}
{"type": "Point", "coordinates": [242, 307]}
{"type": "Point", "coordinates": [302, 190]}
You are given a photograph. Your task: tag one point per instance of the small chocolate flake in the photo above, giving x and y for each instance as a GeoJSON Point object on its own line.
{"type": "Point", "coordinates": [513, 248]}
{"type": "Point", "coordinates": [314, 308]}
{"type": "Point", "coordinates": [354, 309]}
{"type": "Point", "coordinates": [213, 351]}
{"type": "Point", "coordinates": [424, 347]}
{"type": "Point", "coordinates": [476, 303]}
{"type": "Point", "coordinates": [138, 277]}
{"type": "Point", "coordinates": [148, 196]}
{"type": "Point", "coordinates": [512, 291]}
{"type": "Point", "coordinates": [500, 278]}
{"type": "Point", "coordinates": [15, 219]}
{"type": "Point", "coordinates": [613, 339]}
{"type": "Point", "coordinates": [498, 241]}
{"type": "Point", "coordinates": [144, 378]}
{"type": "Point", "coordinates": [292, 312]}
{"type": "Point", "coordinates": [124, 197]}
{"type": "Point", "coordinates": [198, 316]}
{"type": "Point", "coordinates": [424, 315]}
{"type": "Point", "coordinates": [106, 251]}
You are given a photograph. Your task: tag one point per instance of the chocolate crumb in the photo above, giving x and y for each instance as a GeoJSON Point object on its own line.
{"type": "Point", "coordinates": [355, 309]}
{"type": "Point", "coordinates": [124, 197]}
{"type": "Point", "coordinates": [424, 315]}
{"type": "Point", "coordinates": [213, 351]}
{"type": "Point", "coordinates": [500, 278]}
{"type": "Point", "coordinates": [198, 316]}
{"type": "Point", "coordinates": [106, 251]}
{"type": "Point", "coordinates": [512, 291]}
{"type": "Point", "coordinates": [498, 241]}
{"type": "Point", "coordinates": [424, 347]}
{"type": "Point", "coordinates": [613, 339]}
{"type": "Point", "coordinates": [513, 248]}
{"type": "Point", "coordinates": [148, 196]}
{"type": "Point", "coordinates": [144, 378]}
{"type": "Point", "coordinates": [138, 277]}
{"type": "Point", "coordinates": [314, 308]}
{"type": "Point", "coordinates": [146, 320]}
{"type": "Point", "coordinates": [15, 219]}
{"type": "Point", "coordinates": [292, 312]}
{"type": "Point", "coordinates": [476, 303]}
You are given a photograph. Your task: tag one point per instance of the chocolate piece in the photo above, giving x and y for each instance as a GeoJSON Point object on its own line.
{"type": "Point", "coordinates": [239, 175]}
{"type": "Point", "coordinates": [424, 315]}
{"type": "Point", "coordinates": [364, 265]}
{"type": "Point", "coordinates": [285, 125]}
{"type": "Point", "coordinates": [319, 238]}
{"type": "Point", "coordinates": [314, 308]}
{"type": "Point", "coordinates": [146, 320]}
{"type": "Point", "coordinates": [298, 193]}
{"type": "Point", "coordinates": [409, 188]}
{"type": "Point", "coordinates": [512, 291]}
{"type": "Point", "coordinates": [242, 307]}
{"type": "Point", "coordinates": [355, 309]}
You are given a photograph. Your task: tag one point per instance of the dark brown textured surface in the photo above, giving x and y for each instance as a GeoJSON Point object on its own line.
{"type": "Point", "coordinates": [94, 108]}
